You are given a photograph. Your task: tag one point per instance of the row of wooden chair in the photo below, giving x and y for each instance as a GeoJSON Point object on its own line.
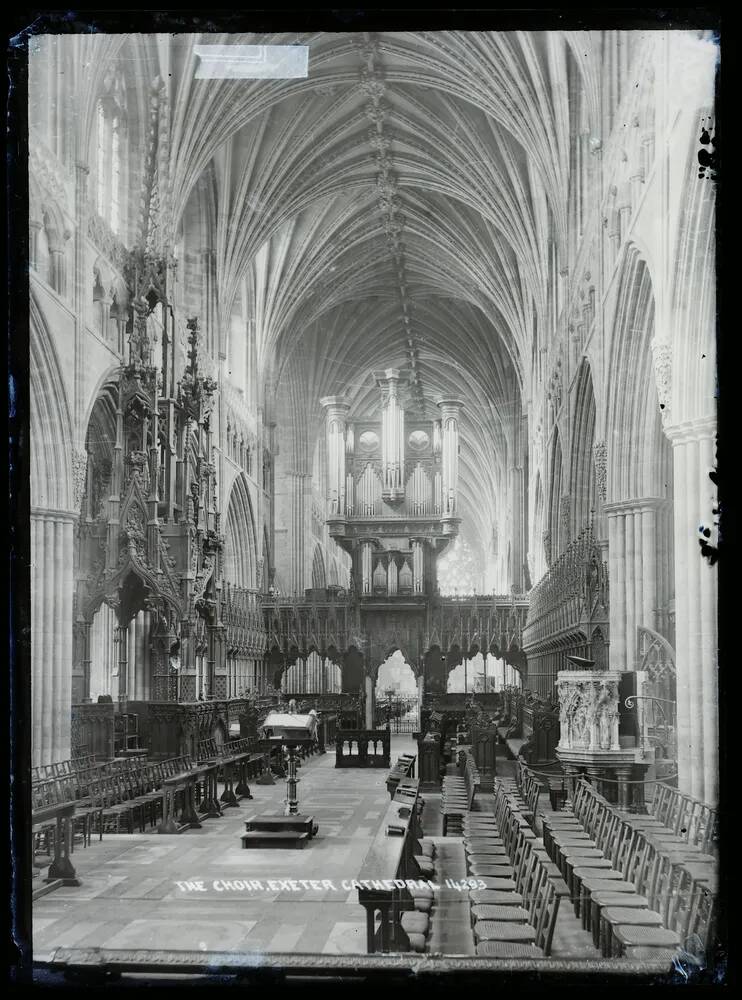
{"type": "Point", "coordinates": [514, 915]}
{"type": "Point", "coordinates": [116, 797]}
{"type": "Point", "coordinates": [242, 752]}
{"type": "Point", "coordinates": [61, 769]}
{"type": "Point", "coordinates": [685, 819]}
{"type": "Point", "coordinates": [639, 896]}
{"type": "Point", "coordinates": [458, 793]}
{"type": "Point", "coordinates": [529, 790]}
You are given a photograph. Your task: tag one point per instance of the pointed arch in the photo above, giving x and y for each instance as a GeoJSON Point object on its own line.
{"type": "Point", "coordinates": [582, 466]}
{"type": "Point", "coordinates": [537, 558]}
{"type": "Point", "coordinates": [240, 544]}
{"type": "Point", "coordinates": [267, 563]}
{"type": "Point", "coordinates": [395, 674]}
{"type": "Point", "coordinates": [319, 577]}
{"type": "Point", "coordinates": [51, 433]}
{"type": "Point", "coordinates": [639, 456]}
{"type": "Point", "coordinates": [556, 488]}
{"type": "Point", "coordinates": [100, 440]}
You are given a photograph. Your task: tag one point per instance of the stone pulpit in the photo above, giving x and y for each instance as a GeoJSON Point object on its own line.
{"type": "Point", "coordinates": [589, 718]}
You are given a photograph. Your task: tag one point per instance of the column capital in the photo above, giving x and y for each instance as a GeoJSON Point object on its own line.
{"type": "Point", "coordinates": [385, 375]}
{"type": "Point", "coordinates": [635, 506]}
{"type": "Point", "coordinates": [449, 406]}
{"type": "Point", "coordinates": [336, 406]}
{"type": "Point", "coordinates": [692, 430]}
{"type": "Point", "coordinates": [49, 514]}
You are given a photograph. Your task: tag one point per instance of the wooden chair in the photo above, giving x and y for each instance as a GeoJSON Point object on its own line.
{"type": "Point", "coordinates": [542, 904]}
{"type": "Point", "coordinates": [689, 924]}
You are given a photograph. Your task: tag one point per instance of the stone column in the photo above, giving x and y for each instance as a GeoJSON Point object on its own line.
{"type": "Point", "coordinates": [623, 775]}
{"type": "Point", "coordinates": [132, 658]}
{"type": "Point", "coordinates": [51, 634]}
{"type": "Point", "coordinates": [298, 526]}
{"type": "Point", "coordinates": [695, 605]}
{"type": "Point", "coordinates": [34, 229]}
{"type": "Point", "coordinates": [369, 703]}
{"type": "Point", "coordinates": [632, 558]}
{"type": "Point", "coordinates": [80, 288]}
{"type": "Point", "coordinates": [122, 640]}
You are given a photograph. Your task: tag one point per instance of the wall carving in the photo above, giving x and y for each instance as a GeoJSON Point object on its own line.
{"type": "Point", "coordinates": [106, 241]}
{"type": "Point", "coordinates": [662, 354]}
{"type": "Point", "coordinates": [79, 472]}
{"type": "Point", "coordinates": [600, 458]}
{"type": "Point", "coordinates": [565, 508]}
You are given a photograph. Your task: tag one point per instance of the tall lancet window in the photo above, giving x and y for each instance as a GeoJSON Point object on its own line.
{"type": "Point", "coordinates": [115, 175]}
{"type": "Point", "coordinates": [101, 161]}
{"type": "Point", "coordinates": [111, 156]}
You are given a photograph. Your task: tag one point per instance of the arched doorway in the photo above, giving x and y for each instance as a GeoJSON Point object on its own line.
{"type": "Point", "coordinates": [396, 695]}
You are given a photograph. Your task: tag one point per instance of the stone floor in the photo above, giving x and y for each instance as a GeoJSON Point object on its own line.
{"type": "Point", "coordinates": [152, 891]}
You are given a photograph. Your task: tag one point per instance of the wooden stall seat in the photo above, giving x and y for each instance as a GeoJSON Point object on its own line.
{"type": "Point", "coordinates": [404, 768]}
{"type": "Point", "coordinates": [517, 902]}
{"type": "Point", "coordinates": [457, 796]}
{"type": "Point", "coordinates": [394, 871]}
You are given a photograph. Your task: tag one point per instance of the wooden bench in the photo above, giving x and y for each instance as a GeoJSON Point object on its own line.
{"type": "Point", "coordinates": [405, 767]}
{"type": "Point", "coordinates": [394, 875]}
{"type": "Point", "coordinates": [53, 806]}
{"type": "Point", "coordinates": [256, 762]}
{"type": "Point", "coordinates": [185, 782]}
{"type": "Point", "coordinates": [232, 763]}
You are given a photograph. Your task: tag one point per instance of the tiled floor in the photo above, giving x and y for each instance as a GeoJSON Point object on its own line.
{"type": "Point", "coordinates": [130, 895]}
{"type": "Point", "coordinates": [134, 892]}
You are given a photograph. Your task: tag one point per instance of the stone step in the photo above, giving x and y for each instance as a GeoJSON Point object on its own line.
{"type": "Point", "coordinates": [278, 823]}
{"type": "Point", "coordinates": [45, 887]}
{"type": "Point", "coordinates": [291, 839]}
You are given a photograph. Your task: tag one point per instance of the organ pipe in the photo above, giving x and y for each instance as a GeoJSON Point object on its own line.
{"type": "Point", "coordinates": [366, 567]}
{"type": "Point", "coordinates": [417, 566]}
{"type": "Point", "coordinates": [450, 410]}
{"type": "Point", "coordinates": [337, 409]}
{"type": "Point", "coordinates": [392, 433]}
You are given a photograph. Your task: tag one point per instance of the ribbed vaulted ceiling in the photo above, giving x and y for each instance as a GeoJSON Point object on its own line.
{"type": "Point", "coordinates": [393, 208]}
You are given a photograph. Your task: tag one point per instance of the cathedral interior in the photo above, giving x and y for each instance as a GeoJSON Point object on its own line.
{"type": "Point", "coordinates": [373, 508]}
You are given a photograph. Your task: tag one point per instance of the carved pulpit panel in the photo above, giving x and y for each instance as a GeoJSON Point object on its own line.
{"type": "Point", "coordinates": [588, 710]}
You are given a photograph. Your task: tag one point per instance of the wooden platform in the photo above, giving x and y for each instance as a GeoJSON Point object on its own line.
{"type": "Point", "coordinates": [297, 822]}
{"type": "Point", "coordinates": [288, 839]}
